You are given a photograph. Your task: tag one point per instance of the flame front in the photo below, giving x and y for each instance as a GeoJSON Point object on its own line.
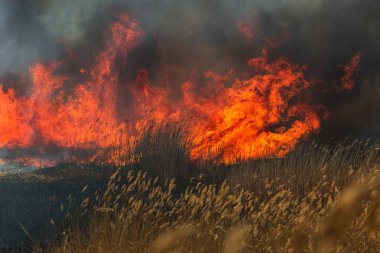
{"type": "Point", "coordinates": [263, 114]}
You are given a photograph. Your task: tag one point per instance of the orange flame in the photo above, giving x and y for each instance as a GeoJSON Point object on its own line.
{"type": "Point", "coordinates": [262, 115]}
{"type": "Point", "coordinates": [50, 116]}
{"type": "Point", "coordinates": [350, 69]}
{"type": "Point", "coordinates": [257, 118]}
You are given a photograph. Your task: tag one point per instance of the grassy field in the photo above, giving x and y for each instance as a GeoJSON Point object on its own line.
{"type": "Point", "coordinates": [319, 198]}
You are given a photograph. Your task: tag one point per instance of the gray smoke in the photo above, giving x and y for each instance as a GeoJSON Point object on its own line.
{"type": "Point", "coordinates": [22, 39]}
{"type": "Point", "coordinates": [69, 20]}
{"type": "Point", "coordinates": [202, 34]}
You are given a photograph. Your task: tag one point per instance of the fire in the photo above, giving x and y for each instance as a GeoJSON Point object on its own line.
{"type": "Point", "coordinates": [350, 70]}
{"type": "Point", "coordinates": [48, 115]}
{"type": "Point", "coordinates": [257, 116]}
{"type": "Point", "coordinates": [246, 29]}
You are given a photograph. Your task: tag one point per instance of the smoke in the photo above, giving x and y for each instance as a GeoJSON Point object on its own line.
{"type": "Point", "coordinates": [22, 39]}
{"type": "Point", "coordinates": [70, 20]}
{"type": "Point", "coordinates": [203, 34]}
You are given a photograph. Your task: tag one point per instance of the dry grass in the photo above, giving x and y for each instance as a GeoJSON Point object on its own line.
{"type": "Point", "coordinates": [145, 216]}
{"type": "Point", "coordinates": [319, 198]}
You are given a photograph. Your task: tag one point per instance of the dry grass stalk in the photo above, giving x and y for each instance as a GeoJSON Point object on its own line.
{"type": "Point", "coordinates": [295, 204]}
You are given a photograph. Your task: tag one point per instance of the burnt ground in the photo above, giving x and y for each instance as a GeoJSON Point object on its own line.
{"type": "Point", "coordinates": [31, 203]}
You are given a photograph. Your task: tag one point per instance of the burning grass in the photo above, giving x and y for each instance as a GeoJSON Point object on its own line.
{"type": "Point", "coordinates": [213, 163]}
{"type": "Point", "coordinates": [262, 109]}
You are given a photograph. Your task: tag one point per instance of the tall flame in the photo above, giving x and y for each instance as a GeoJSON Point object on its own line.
{"type": "Point", "coordinates": [260, 115]}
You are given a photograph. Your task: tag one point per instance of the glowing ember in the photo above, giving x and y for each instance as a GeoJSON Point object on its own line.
{"type": "Point", "coordinates": [262, 115]}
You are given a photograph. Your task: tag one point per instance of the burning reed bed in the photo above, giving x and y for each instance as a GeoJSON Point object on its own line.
{"type": "Point", "coordinates": [318, 198]}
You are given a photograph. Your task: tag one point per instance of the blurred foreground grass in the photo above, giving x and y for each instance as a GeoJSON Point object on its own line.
{"type": "Point", "coordinates": [319, 198]}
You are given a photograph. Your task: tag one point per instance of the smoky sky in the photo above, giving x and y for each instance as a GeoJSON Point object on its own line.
{"type": "Point", "coordinates": [202, 34]}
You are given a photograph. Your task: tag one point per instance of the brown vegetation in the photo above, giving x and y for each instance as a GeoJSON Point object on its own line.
{"type": "Point", "coordinates": [317, 199]}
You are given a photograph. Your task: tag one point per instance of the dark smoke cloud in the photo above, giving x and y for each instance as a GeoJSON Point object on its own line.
{"type": "Point", "coordinates": [202, 34]}
{"type": "Point", "coordinates": [22, 38]}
